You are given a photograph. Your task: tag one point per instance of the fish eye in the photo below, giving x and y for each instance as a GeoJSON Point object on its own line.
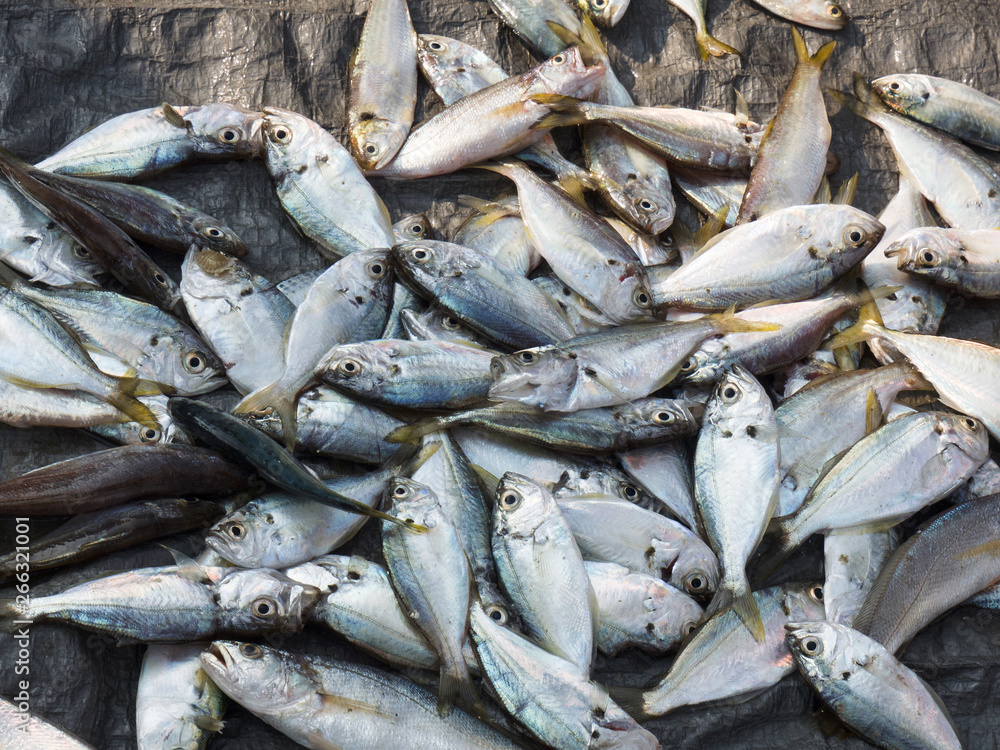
{"type": "Point", "coordinates": [894, 85]}
{"type": "Point", "coordinates": [80, 252]}
{"type": "Point", "coordinates": [696, 583]}
{"type": "Point", "coordinates": [816, 592]}
{"type": "Point", "coordinates": [417, 229]}
{"type": "Point", "coordinates": [855, 236]}
{"type": "Point", "coordinates": [600, 3]}
{"type": "Point", "coordinates": [264, 607]}
{"type": "Point", "coordinates": [928, 257]}
{"type": "Point", "coordinates": [689, 365]}
{"type": "Point", "coordinates": [970, 424]}
{"type": "Point", "coordinates": [647, 205]}
{"type": "Point", "coordinates": [730, 394]}
{"type": "Point", "coordinates": [401, 491]}
{"type": "Point", "coordinates": [159, 278]}
{"type": "Point", "coordinates": [559, 59]}
{"type": "Point", "coordinates": [149, 435]}
{"type": "Point", "coordinates": [349, 368]}
{"type": "Point", "coordinates": [194, 362]}
{"type": "Point", "coordinates": [236, 530]}
{"type": "Point", "coordinates": [630, 491]}
{"type": "Point", "coordinates": [436, 46]}
{"type": "Point", "coordinates": [811, 646]}
{"type": "Point", "coordinates": [281, 134]}
{"type": "Point", "coordinates": [213, 232]}
{"type": "Point", "coordinates": [251, 650]}
{"type": "Point", "coordinates": [451, 323]}
{"type": "Point", "coordinates": [835, 11]}
{"type": "Point", "coordinates": [229, 135]}
{"type": "Point", "coordinates": [688, 628]}
{"type": "Point", "coordinates": [526, 357]}
{"type": "Point", "coordinates": [509, 500]}
{"type": "Point", "coordinates": [376, 269]}
{"type": "Point", "coordinates": [497, 613]}
{"type": "Point", "coordinates": [421, 254]}
{"type": "Point", "coordinates": [641, 298]}
{"type": "Point", "coordinates": [371, 149]}
{"type": "Point", "coordinates": [663, 417]}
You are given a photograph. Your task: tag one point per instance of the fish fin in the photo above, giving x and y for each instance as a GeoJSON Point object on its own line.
{"type": "Point", "coordinates": [822, 54]}
{"type": "Point", "coordinates": [174, 117]}
{"type": "Point", "coordinates": [709, 45]}
{"type": "Point", "coordinates": [188, 567]}
{"type": "Point", "coordinates": [631, 700]}
{"type": "Point", "coordinates": [873, 413]}
{"type": "Point", "coordinates": [26, 383]}
{"type": "Point", "coordinates": [411, 433]}
{"type": "Point", "coordinates": [340, 703]}
{"type": "Point", "coordinates": [863, 619]}
{"type": "Point", "coordinates": [592, 49]}
{"type": "Point", "coordinates": [209, 723]}
{"type": "Point", "coordinates": [414, 458]}
{"type": "Point", "coordinates": [729, 323]}
{"type": "Point", "coordinates": [563, 111]}
{"type": "Point", "coordinates": [142, 387]}
{"type": "Point", "coordinates": [490, 209]}
{"type": "Point", "coordinates": [991, 546]}
{"type": "Point", "coordinates": [741, 600]}
{"type": "Point", "coordinates": [742, 110]}
{"type": "Point", "coordinates": [270, 397]}
{"type": "Point", "coordinates": [125, 402]}
{"type": "Point", "coordinates": [487, 481]}
{"type": "Point", "coordinates": [574, 185]}
{"type": "Point", "coordinates": [458, 689]}
{"type": "Point", "coordinates": [847, 192]}
{"type": "Point", "coordinates": [864, 102]}
{"type": "Point", "coordinates": [823, 193]}
{"type": "Point", "coordinates": [709, 230]}
{"type": "Point", "coordinates": [864, 330]}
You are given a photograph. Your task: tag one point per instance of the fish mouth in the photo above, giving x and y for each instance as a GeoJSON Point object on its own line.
{"type": "Point", "coordinates": [217, 658]}
{"type": "Point", "coordinates": [614, 18]}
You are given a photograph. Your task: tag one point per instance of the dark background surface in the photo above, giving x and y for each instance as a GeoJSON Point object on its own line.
{"type": "Point", "coordinates": [66, 67]}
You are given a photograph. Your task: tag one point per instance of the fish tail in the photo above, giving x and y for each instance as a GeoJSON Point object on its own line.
{"type": "Point", "coordinates": [456, 689]}
{"type": "Point", "coordinates": [709, 45]}
{"type": "Point", "coordinates": [864, 103]}
{"type": "Point", "coordinates": [134, 386]}
{"type": "Point", "coordinates": [563, 111]}
{"type": "Point", "coordinates": [742, 601]}
{"type": "Point", "coordinates": [632, 701]}
{"type": "Point", "coordinates": [847, 192]}
{"type": "Point", "coordinates": [869, 323]}
{"type": "Point", "coordinates": [411, 433]}
{"type": "Point", "coordinates": [727, 322]}
{"type": "Point", "coordinates": [9, 613]}
{"type": "Point", "coordinates": [124, 400]}
{"type": "Point", "coordinates": [273, 397]}
{"type": "Point", "coordinates": [802, 52]}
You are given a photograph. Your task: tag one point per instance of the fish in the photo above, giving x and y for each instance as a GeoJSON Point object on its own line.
{"type": "Point", "coordinates": [791, 158]}
{"type": "Point", "coordinates": [176, 704]}
{"type": "Point", "coordinates": [494, 121]}
{"type": "Point", "coordinates": [322, 188]}
{"type": "Point", "coordinates": [107, 244]}
{"type": "Point", "coordinates": [320, 703]}
{"type": "Point", "coordinates": [51, 407]}
{"type": "Point", "coordinates": [694, 138]}
{"type": "Point", "coordinates": [141, 144]}
{"type": "Point", "coordinates": [639, 611]}
{"type": "Point", "coordinates": [242, 443]}
{"type": "Point", "coordinates": [498, 231]}
{"type": "Point", "coordinates": [175, 604]}
{"type": "Point", "coordinates": [736, 481]}
{"type": "Point", "coordinates": [604, 12]}
{"type": "Point", "coordinates": [412, 374]}
{"type": "Point", "coordinates": [819, 14]}
{"type": "Point", "coordinates": [20, 730]}
{"type": "Point", "coordinates": [790, 254]}
{"type": "Point", "coordinates": [382, 84]}
{"type": "Point", "coordinates": [665, 472]}
{"type": "Point", "coordinates": [948, 560]}
{"type": "Point", "coordinates": [90, 535]}
{"type": "Point", "coordinates": [242, 315]}
{"type": "Point", "coordinates": [919, 305]}
{"type": "Point", "coordinates": [589, 431]}
{"type": "Point", "coordinates": [331, 424]}
{"type": "Point", "coordinates": [413, 227]}
{"type": "Point", "coordinates": [296, 287]}
{"type": "Point", "coordinates": [955, 108]}
{"type": "Point", "coordinates": [154, 344]}
{"type": "Point", "coordinates": [541, 570]}
{"type": "Point", "coordinates": [282, 529]}
{"type": "Point", "coordinates": [723, 661]}
{"type": "Point", "coordinates": [347, 302]}
{"type": "Point", "coordinates": [148, 215]}
{"type": "Point", "coordinates": [551, 697]}
{"type": "Point", "coordinates": [711, 191]}
{"type": "Point", "coordinates": [431, 575]}
{"type": "Point", "coordinates": [964, 260]}
{"type": "Point", "coordinates": [583, 251]}
{"type": "Point", "coordinates": [852, 562]}
{"type": "Point", "coordinates": [962, 186]}
{"type": "Point", "coordinates": [885, 478]}
{"type": "Point", "coordinates": [648, 248]}
{"type": "Point", "coordinates": [484, 294]}
{"type": "Point", "coordinates": [530, 21]}
{"type": "Point", "coordinates": [579, 311]}
{"type": "Point", "coordinates": [827, 417]}
{"type": "Point", "coordinates": [608, 529]}
{"type": "Point", "coordinates": [120, 475]}
{"type": "Point", "coordinates": [706, 43]}
{"type": "Point", "coordinates": [868, 689]}
{"type": "Point", "coordinates": [607, 368]}
{"type": "Point", "coordinates": [437, 324]}
{"type": "Point", "coordinates": [34, 245]}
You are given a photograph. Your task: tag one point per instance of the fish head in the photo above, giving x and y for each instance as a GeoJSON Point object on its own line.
{"type": "Point", "coordinates": [292, 143]}
{"type": "Point", "coordinates": [650, 418]}
{"type": "Point", "coordinates": [260, 678]}
{"type": "Point", "coordinates": [412, 228]}
{"type": "Point", "coordinates": [133, 433]}
{"type": "Point", "coordinates": [695, 571]}
{"type": "Point", "coordinates": [264, 600]}
{"type": "Point", "coordinates": [182, 361]}
{"type": "Point", "coordinates": [438, 324]}
{"type": "Point", "coordinates": [543, 377]}
{"type": "Point", "coordinates": [845, 236]}
{"type": "Point", "coordinates": [651, 209]}
{"type": "Point", "coordinates": [430, 260]}
{"type": "Point", "coordinates": [706, 363]}
{"type": "Point", "coordinates": [244, 537]}
{"type": "Point", "coordinates": [934, 253]}
{"type": "Point", "coordinates": [821, 648]}
{"type": "Point", "coordinates": [50, 256]}
{"type": "Point", "coordinates": [803, 602]}
{"type": "Point", "coordinates": [213, 234]}
{"type": "Point", "coordinates": [904, 93]}
{"type": "Point", "coordinates": [597, 480]}
{"type": "Point", "coordinates": [605, 13]}
{"type": "Point", "coordinates": [740, 403]}
{"type": "Point", "coordinates": [367, 274]}
{"type": "Point", "coordinates": [820, 14]}
{"type": "Point", "coordinates": [409, 499]}
{"type": "Point", "coordinates": [967, 434]}
{"type": "Point", "coordinates": [359, 368]}
{"type": "Point", "coordinates": [441, 57]}
{"type": "Point", "coordinates": [632, 300]}
{"type": "Point", "coordinates": [567, 73]}
{"type": "Point", "coordinates": [226, 129]}
{"type": "Point", "coordinates": [671, 615]}
{"type": "Point", "coordinates": [375, 141]}
{"type": "Point", "coordinates": [522, 506]}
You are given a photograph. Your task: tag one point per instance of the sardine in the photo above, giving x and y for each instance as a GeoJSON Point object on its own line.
{"type": "Point", "coordinates": [965, 260]}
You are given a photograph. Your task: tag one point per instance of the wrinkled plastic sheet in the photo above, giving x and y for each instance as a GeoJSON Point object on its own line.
{"type": "Point", "coordinates": [66, 67]}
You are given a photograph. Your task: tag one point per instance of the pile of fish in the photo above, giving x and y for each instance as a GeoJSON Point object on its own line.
{"type": "Point", "coordinates": [581, 426]}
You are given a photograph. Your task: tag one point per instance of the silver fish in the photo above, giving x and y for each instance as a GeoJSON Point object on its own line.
{"type": "Point", "coordinates": [820, 14]}
{"type": "Point", "coordinates": [707, 44]}
{"type": "Point", "coordinates": [665, 472]}
{"type": "Point", "coordinates": [498, 231]}
{"type": "Point", "coordinates": [437, 324]}
{"type": "Point", "coordinates": [852, 563]}
{"type": "Point", "coordinates": [965, 260]}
